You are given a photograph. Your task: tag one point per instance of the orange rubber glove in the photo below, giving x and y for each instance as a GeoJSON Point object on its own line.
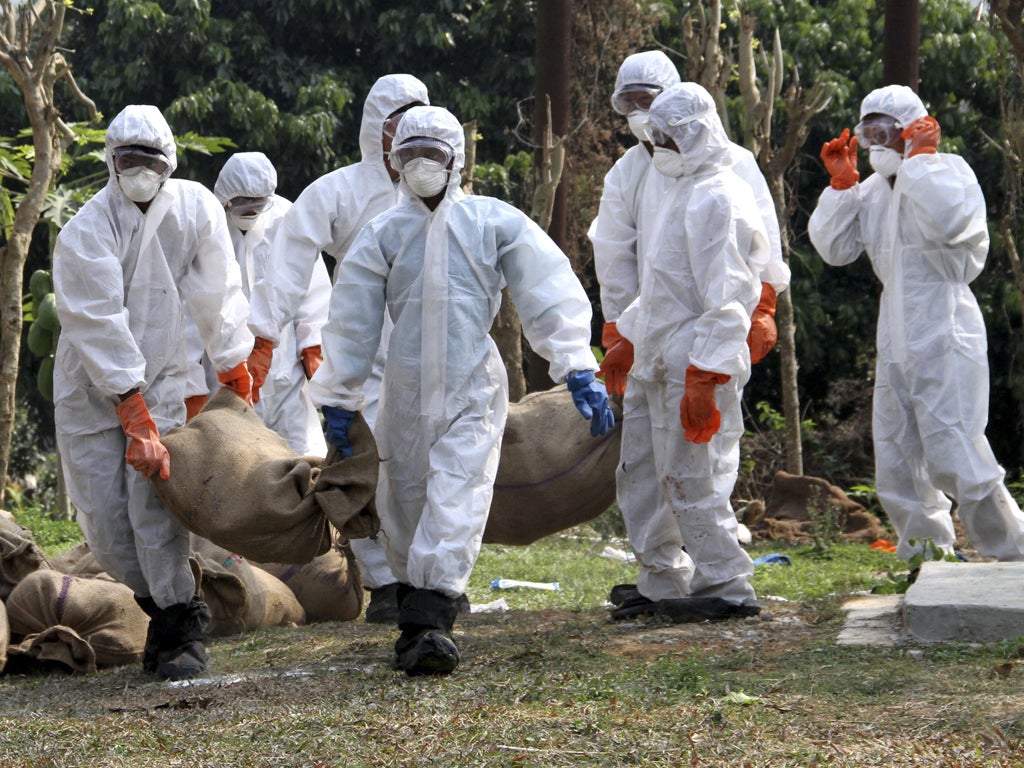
{"type": "Point", "coordinates": [259, 365]}
{"type": "Point", "coordinates": [922, 136]}
{"type": "Point", "coordinates": [698, 412]}
{"type": "Point", "coordinates": [763, 334]}
{"type": "Point", "coordinates": [193, 405]}
{"type": "Point", "coordinates": [618, 359]}
{"type": "Point", "coordinates": [840, 158]}
{"type": "Point", "coordinates": [239, 381]}
{"type": "Point", "coordinates": [145, 451]}
{"type": "Point", "coordinates": [311, 359]}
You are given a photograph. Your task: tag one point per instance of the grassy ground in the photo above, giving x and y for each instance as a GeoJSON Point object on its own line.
{"type": "Point", "coordinates": [552, 682]}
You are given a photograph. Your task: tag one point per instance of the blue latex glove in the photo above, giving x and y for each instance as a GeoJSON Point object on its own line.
{"type": "Point", "coordinates": [591, 399]}
{"type": "Point", "coordinates": [338, 422]}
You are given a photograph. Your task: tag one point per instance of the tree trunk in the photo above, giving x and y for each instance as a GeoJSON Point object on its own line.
{"type": "Point", "coordinates": [901, 42]}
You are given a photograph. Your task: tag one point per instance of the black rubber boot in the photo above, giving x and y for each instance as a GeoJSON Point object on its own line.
{"type": "Point", "coordinates": [174, 643]}
{"type": "Point", "coordinates": [152, 649]}
{"type": "Point", "coordinates": [383, 606]}
{"type": "Point", "coordinates": [426, 647]}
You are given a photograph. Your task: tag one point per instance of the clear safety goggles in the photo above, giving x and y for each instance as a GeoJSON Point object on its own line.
{"type": "Point", "coordinates": [135, 157]}
{"type": "Point", "coordinates": [630, 98]}
{"type": "Point", "coordinates": [248, 206]}
{"type": "Point", "coordinates": [435, 150]}
{"type": "Point", "coordinates": [391, 124]}
{"type": "Point", "coordinates": [880, 131]}
{"type": "Point", "coordinates": [659, 138]}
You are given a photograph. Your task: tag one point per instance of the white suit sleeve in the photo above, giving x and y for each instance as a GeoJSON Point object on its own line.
{"type": "Point", "coordinates": [196, 372]}
{"type": "Point", "coordinates": [776, 273]}
{"type": "Point", "coordinates": [553, 307]}
{"type": "Point", "coordinates": [351, 337]}
{"type": "Point", "coordinates": [834, 226]}
{"type": "Point", "coordinates": [212, 290]}
{"type": "Point", "coordinates": [944, 200]}
{"type": "Point", "coordinates": [89, 287]}
{"type": "Point", "coordinates": [727, 287]}
{"type": "Point", "coordinates": [614, 237]}
{"type": "Point", "coordinates": [312, 313]}
{"type": "Point", "coordinates": [304, 231]}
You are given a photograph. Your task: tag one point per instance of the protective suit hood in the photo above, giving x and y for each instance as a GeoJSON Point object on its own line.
{"type": "Point", "coordinates": [686, 112]}
{"type": "Point", "coordinates": [246, 174]}
{"type": "Point", "coordinates": [898, 101]}
{"type": "Point", "coordinates": [389, 93]}
{"type": "Point", "coordinates": [436, 123]}
{"type": "Point", "coordinates": [649, 68]}
{"type": "Point", "coordinates": [143, 125]}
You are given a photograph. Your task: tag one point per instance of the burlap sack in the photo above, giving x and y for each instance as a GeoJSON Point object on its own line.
{"type": "Point", "coordinates": [552, 474]}
{"type": "Point", "coordinates": [102, 613]}
{"type": "Point", "coordinates": [241, 597]}
{"type": "Point", "coordinates": [55, 648]}
{"type": "Point", "coordinates": [793, 498]}
{"type": "Point", "coordinates": [237, 483]}
{"type": "Point", "coordinates": [78, 561]}
{"type": "Point", "coordinates": [19, 555]}
{"type": "Point", "coordinates": [330, 588]}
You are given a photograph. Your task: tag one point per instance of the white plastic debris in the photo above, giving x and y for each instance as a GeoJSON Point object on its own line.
{"type": "Point", "coordinates": [492, 607]}
{"type": "Point", "coordinates": [611, 553]}
{"type": "Point", "coordinates": [510, 583]}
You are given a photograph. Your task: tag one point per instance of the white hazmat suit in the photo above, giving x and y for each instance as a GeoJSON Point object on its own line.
{"type": "Point", "coordinates": [284, 404]}
{"type": "Point", "coordinates": [327, 216]}
{"type": "Point", "coordinates": [702, 251]}
{"type": "Point", "coordinates": [927, 238]}
{"type": "Point", "coordinates": [438, 275]}
{"type": "Point", "coordinates": [632, 194]}
{"type": "Point", "coordinates": [121, 277]}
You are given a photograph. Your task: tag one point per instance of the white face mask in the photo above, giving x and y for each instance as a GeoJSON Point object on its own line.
{"type": "Point", "coordinates": [638, 124]}
{"type": "Point", "coordinates": [244, 223]}
{"type": "Point", "coordinates": [140, 186]}
{"type": "Point", "coordinates": [885, 161]}
{"type": "Point", "coordinates": [669, 162]}
{"type": "Point", "coordinates": [425, 177]}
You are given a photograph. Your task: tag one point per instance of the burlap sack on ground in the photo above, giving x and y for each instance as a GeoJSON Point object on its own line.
{"type": "Point", "coordinates": [241, 596]}
{"type": "Point", "coordinates": [330, 588]}
{"type": "Point", "coordinates": [78, 561]}
{"type": "Point", "coordinates": [101, 613]}
{"type": "Point", "coordinates": [793, 498]}
{"type": "Point", "coordinates": [552, 474]}
{"type": "Point", "coordinates": [19, 555]}
{"type": "Point", "coordinates": [237, 483]}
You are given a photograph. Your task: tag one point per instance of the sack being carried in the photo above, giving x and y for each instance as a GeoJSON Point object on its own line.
{"type": "Point", "coordinates": [552, 474]}
{"type": "Point", "coordinates": [239, 484]}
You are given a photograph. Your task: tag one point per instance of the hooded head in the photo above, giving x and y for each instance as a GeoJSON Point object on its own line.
{"type": "Point", "coordinates": [388, 95]}
{"type": "Point", "coordinates": [142, 126]}
{"type": "Point", "coordinates": [686, 113]}
{"type": "Point", "coordinates": [897, 101]}
{"type": "Point", "coordinates": [436, 124]}
{"type": "Point", "coordinates": [642, 76]}
{"type": "Point", "coordinates": [245, 187]}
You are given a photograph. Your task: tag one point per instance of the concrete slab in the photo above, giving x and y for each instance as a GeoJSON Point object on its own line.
{"type": "Point", "coordinates": [983, 602]}
{"type": "Point", "coordinates": [873, 620]}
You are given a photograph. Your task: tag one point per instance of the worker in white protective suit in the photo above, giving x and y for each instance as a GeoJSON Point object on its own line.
{"type": "Point", "coordinates": [326, 217]}
{"type": "Point", "coordinates": [436, 264]}
{"type": "Point", "coordinates": [122, 268]}
{"type": "Point", "coordinates": [246, 188]}
{"type": "Point", "coordinates": [631, 194]}
{"type": "Point", "coordinates": [921, 219]}
{"type": "Point", "coordinates": [701, 253]}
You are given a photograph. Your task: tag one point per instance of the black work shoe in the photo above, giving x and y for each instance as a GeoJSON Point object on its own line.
{"type": "Point", "coordinates": [185, 662]}
{"type": "Point", "coordinates": [688, 610]}
{"type": "Point", "coordinates": [432, 652]}
{"type": "Point", "coordinates": [622, 592]}
{"type": "Point", "coordinates": [633, 607]}
{"type": "Point", "coordinates": [383, 607]}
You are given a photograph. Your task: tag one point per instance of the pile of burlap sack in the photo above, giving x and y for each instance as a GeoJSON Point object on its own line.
{"type": "Point", "coordinates": [270, 530]}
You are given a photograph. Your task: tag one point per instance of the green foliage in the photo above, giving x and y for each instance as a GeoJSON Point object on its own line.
{"type": "Point", "coordinates": [52, 535]}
